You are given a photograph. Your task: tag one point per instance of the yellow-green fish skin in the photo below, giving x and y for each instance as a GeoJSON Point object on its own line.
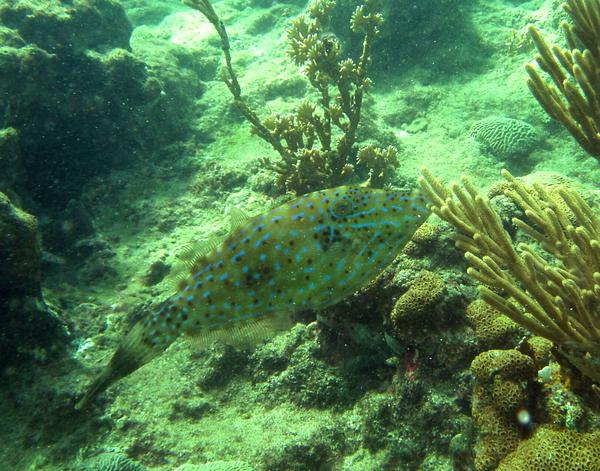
{"type": "Point", "coordinates": [307, 254]}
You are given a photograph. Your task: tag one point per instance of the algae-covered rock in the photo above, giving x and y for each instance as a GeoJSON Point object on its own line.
{"type": "Point", "coordinates": [79, 99]}
{"type": "Point", "coordinates": [431, 33]}
{"type": "Point", "coordinates": [219, 364]}
{"type": "Point", "coordinates": [28, 327]}
{"type": "Point", "coordinates": [79, 25]}
{"type": "Point", "coordinates": [293, 369]}
{"type": "Point", "coordinates": [147, 12]}
{"type": "Point", "coordinates": [12, 176]}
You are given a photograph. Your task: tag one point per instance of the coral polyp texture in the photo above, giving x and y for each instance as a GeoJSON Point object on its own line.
{"type": "Point", "coordinates": [500, 391]}
{"type": "Point", "coordinates": [493, 329]}
{"type": "Point", "coordinates": [425, 291]}
{"type": "Point", "coordinates": [553, 449]}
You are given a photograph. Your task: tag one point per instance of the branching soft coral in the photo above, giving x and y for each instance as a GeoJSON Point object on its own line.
{"type": "Point", "coordinates": [555, 292]}
{"type": "Point", "coordinates": [572, 96]}
{"type": "Point", "coordinates": [316, 144]}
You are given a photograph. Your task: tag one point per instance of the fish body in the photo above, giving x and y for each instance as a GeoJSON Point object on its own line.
{"type": "Point", "coordinates": [307, 254]}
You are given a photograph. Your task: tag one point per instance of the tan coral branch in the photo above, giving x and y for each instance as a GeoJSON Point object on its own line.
{"type": "Point", "coordinates": [557, 299]}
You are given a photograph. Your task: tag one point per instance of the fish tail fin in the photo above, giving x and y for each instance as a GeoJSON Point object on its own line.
{"type": "Point", "coordinates": [132, 353]}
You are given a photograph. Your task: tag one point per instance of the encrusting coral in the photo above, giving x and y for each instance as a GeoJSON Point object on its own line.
{"type": "Point", "coordinates": [501, 390]}
{"type": "Point", "coordinates": [572, 96]}
{"type": "Point", "coordinates": [555, 450]}
{"type": "Point", "coordinates": [316, 144]}
{"type": "Point", "coordinates": [425, 291]}
{"type": "Point", "coordinates": [558, 299]}
{"type": "Point", "coordinates": [492, 329]}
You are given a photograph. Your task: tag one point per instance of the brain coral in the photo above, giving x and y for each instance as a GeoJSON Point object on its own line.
{"type": "Point", "coordinates": [217, 466]}
{"type": "Point", "coordinates": [505, 138]}
{"type": "Point", "coordinates": [553, 449]}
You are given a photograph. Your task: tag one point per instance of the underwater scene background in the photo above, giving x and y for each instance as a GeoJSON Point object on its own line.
{"type": "Point", "coordinates": [137, 134]}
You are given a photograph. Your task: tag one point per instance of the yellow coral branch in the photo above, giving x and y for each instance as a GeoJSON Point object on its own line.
{"type": "Point", "coordinates": [573, 96]}
{"type": "Point", "coordinates": [557, 299]}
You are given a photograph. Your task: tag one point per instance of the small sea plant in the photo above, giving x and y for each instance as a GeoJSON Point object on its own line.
{"type": "Point", "coordinates": [317, 143]}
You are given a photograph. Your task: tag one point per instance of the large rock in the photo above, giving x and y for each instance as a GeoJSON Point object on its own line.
{"type": "Point", "coordinates": [80, 100]}
{"type": "Point", "coordinates": [27, 327]}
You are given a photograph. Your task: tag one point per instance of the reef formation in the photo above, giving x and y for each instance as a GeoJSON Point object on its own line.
{"type": "Point", "coordinates": [124, 141]}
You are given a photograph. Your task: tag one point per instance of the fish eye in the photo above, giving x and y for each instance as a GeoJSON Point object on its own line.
{"type": "Point", "coordinates": [342, 207]}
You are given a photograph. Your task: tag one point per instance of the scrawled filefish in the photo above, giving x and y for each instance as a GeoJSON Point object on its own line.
{"type": "Point", "coordinates": [307, 254]}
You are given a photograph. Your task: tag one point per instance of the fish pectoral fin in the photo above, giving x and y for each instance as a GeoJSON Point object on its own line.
{"type": "Point", "coordinates": [242, 334]}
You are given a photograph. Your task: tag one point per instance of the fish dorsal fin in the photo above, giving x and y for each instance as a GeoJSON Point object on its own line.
{"type": "Point", "coordinates": [237, 218]}
{"type": "Point", "coordinates": [192, 254]}
{"type": "Point", "coordinates": [190, 258]}
{"type": "Point", "coordinates": [243, 334]}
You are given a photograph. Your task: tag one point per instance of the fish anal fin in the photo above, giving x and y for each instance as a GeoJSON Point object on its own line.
{"type": "Point", "coordinates": [242, 334]}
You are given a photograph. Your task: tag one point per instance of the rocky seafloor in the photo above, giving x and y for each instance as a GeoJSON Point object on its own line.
{"type": "Point", "coordinates": [119, 145]}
